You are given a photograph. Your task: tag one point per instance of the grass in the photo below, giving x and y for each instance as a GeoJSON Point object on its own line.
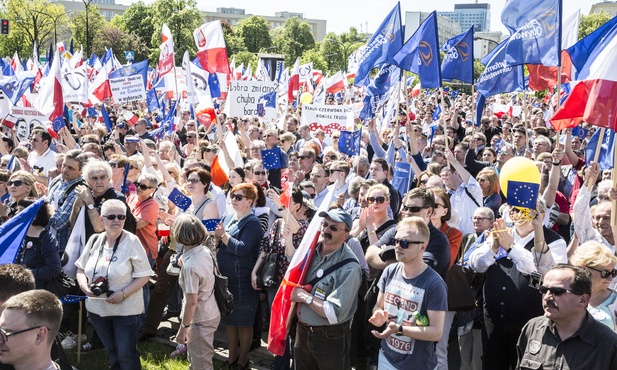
{"type": "Point", "coordinates": [154, 356]}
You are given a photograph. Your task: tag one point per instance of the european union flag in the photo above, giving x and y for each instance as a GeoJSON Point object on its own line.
{"type": "Point", "coordinates": [497, 77]}
{"type": "Point", "coordinates": [58, 124]}
{"type": "Point", "coordinates": [15, 87]}
{"type": "Point", "coordinates": [432, 136]}
{"type": "Point", "coordinates": [91, 112]}
{"type": "Point", "coordinates": [180, 200]}
{"type": "Point", "coordinates": [535, 29]}
{"type": "Point", "coordinates": [211, 223]}
{"type": "Point", "coordinates": [106, 119]}
{"type": "Point", "coordinates": [522, 194]}
{"type": "Point", "coordinates": [454, 93]}
{"type": "Point", "coordinates": [139, 68]}
{"type": "Point", "coordinates": [152, 100]}
{"type": "Point", "coordinates": [269, 99]}
{"type": "Point", "coordinates": [214, 85]}
{"type": "Point", "coordinates": [458, 60]}
{"type": "Point", "coordinates": [13, 231]}
{"type": "Point", "coordinates": [349, 142]}
{"type": "Point", "coordinates": [420, 54]}
{"type": "Point", "coordinates": [261, 111]}
{"type": "Point", "coordinates": [437, 112]}
{"type": "Point", "coordinates": [607, 149]}
{"type": "Point", "coordinates": [580, 132]}
{"type": "Point", "coordinates": [271, 158]}
{"type": "Point", "coordinates": [384, 44]}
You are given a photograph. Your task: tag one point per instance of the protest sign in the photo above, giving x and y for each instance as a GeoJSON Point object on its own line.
{"type": "Point", "coordinates": [26, 119]}
{"type": "Point", "coordinates": [327, 117]}
{"type": "Point", "coordinates": [75, 84]}
{"type": "Point", "coordinates": [127, 89]}
{"type": "Point", "coordinates": [244, 96]}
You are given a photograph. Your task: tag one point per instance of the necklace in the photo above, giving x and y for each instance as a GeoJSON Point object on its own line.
{"type": "Point", "coordinates": [239, 217]}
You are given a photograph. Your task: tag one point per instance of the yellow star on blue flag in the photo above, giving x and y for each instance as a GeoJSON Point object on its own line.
{"type": "Point", "coordinates": [522, 194]}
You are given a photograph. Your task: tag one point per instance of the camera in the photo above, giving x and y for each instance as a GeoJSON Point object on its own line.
{"type": "Point", "coordinates": [100, 286]}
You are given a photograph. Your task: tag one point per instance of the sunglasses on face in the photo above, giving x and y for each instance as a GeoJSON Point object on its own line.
{"type": "Point", "coordinates": [113, 165]}
{"type": "Point", "coordinates": [113, 217]}
{"type": "Point", "coordinates": [142, 186]}
{"type": "Point", "coordinates": [405, 243]}
{"type": "Point", "coordinates": [333, 228]}
{"type": "Point", "coordinates": [97, 178]}
{"type": "Point", "coordinates": [237, 197]}
{"type": "Point", "coordinates": [133, 167]}
{"type": "Point", "coordinates": [191, 136]}
{"type": "Point", "coordinates": [410, 209]}
{"type": "Point", "coordinates": [302, 157]}
{"type": "Point", "coordinates": [556, 291]}
{"type": "Point", "coordinates": [208, 150]}
{"type": "Point", "coordinates": [193, 181]}
{"type": "Point", "coordinates": [259, 173]}
{"type": "Point", "coordinates": [336, 137]}
{"type": "Point", "coordinates": [378, 200]}
{"type": "Point", "coordinates": [605, 273]}
{"type": "Point", "coordinates": [16, 183]}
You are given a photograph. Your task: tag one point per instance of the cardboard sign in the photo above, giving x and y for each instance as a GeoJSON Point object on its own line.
{"type": "Point", "coordinates": [327, 117]}
{"type": "Point", "coordinates": [127, 89]}
{"type": "Point", "coordinates": [244, 96]}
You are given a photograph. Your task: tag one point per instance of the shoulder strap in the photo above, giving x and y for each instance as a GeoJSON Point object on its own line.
{"type": "Point", "coordinates": [331, 269]}
{"type": "Point", "coordinates": [68, 191]}
{"type": "Point", "coordinates": [471, 196]}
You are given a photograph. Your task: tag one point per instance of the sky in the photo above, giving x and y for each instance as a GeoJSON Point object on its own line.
{"type": "Point", "coordinates": [342, 14]}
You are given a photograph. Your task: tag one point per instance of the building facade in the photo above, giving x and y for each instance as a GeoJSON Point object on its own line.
{"type": "Point", "coordinates": [466, 15]}
{"type": "Point", "coordinates": [445, 27]}
{"type": "Point", "coordinates": [607, 6]}
{"type": "Point", "coordinates": [107, 8]}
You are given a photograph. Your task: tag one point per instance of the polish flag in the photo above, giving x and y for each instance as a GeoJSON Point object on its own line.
{"type": "Point", "coordinates": [9, 121]}
{"type": "Point", "coordinates": [335, 83]}
{"type": "Point", "coordinates": [294, 82]}
{"type": "Point", "coordinates": [416, 90]}
{"type": "Point", "coordinates": [501, 109]}
{"type": "Point", "coordinates": [592, 99]}
{"type": "Point", "coordinates": [99, 89]}
{"type": "Point", "coordinates": [219, 168]}
{"type": "Point", "coordinates": [237, 72]}
{"type": "Point", "coordinates": [211, 53]}
{"type": "Point", "coordinates": [219, 171]}
{"type": "Point", "coordinates": [130, 117]}
{"type": "Point", "coordinates": [16, 64]}
{"type": "Point", "coordinates": [317, 76]}
{"type": "Point", "coordinates": [50, 102]}
{"type": "Point", "coordinates": [166, 58]}
{"type": "Point", "coordinates": [232, 67]}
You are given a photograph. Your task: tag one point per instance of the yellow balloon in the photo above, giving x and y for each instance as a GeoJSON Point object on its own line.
{"type": "Point", "coordinates": [518, 169]}
{"type": "Point", "coordinates": [306, 98]}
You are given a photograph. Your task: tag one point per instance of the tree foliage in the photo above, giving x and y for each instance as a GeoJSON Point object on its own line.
{"type": "Point", "coordinates": [248, 58]}
{"type": "Point", "coordinates": [314, 56]}
{"type": "Point", "coordinates": [137, 20]}
{"type": "Point", "coordinates": [120, 41]}
{"type": "Point", "coordinates": [96, 23]}
{"type": "Point", "coordinates": [293, 39]}
{"type": "Point", "coordinates": [254, 32]}
{"type": "Point", "coordinates": [591, 22]}
{"type": "Point", "coordinates": [335, 50]}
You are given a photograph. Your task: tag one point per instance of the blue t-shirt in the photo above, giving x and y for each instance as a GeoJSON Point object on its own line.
{"type": "Point", "coordinates": [402, 297]}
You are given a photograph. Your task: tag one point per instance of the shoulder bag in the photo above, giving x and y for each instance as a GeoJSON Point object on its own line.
{"type": "Point", "coordinates": [267, 273]}
{"type": "Point", "coordinates": [224, 298]}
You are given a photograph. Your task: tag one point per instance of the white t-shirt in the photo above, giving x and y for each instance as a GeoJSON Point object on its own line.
{"type": "Point", "coordinates": [41, 165]}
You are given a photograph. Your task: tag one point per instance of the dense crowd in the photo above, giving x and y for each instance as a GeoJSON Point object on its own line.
{"type": "Point", "coordinates": [443, 260]}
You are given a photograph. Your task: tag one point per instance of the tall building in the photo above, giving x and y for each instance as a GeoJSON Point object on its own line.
{"type": "Point", "coordinates": [107, 8]}
{"type": "Point", "coordinates": [485, 42]}
{"type": "Point", "coordinates": [466, 15]}
{"type": "Point", "coordinates": [445, 27]}
{"type": "Point", "coordinates": [607, 6]}
{"type": "Point", "coordinates": [234, 15]}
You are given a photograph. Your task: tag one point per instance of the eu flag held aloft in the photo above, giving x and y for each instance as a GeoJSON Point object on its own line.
{"type": "Point", "coordinates": [522, 194]}
{"type": "Point", "coordinates": [180, 200]}
{"type": "Point", "coordinates": [271, 158]}
{"type": "Point", "coordinates": [349, 142]}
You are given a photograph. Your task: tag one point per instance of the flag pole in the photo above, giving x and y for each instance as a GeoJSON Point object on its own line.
{"type": "Point", "coordinates": [398, 102]}
{"type": "Point", "coordinates": [614, 177]}
{"type": "Point", "coordinates": [473, 104]}
{"type": "Point", "coordinates": [558, 92]}
{"type": "Point", "coordinates": [445, 124]}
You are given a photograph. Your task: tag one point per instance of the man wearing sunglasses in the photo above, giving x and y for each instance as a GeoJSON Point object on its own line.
{"type": "Point", "coordinates": [566, 336]}
{"type": "Point", "coordinates": [405, 288]}
{"type": "Point", "coordinates": [323, 339]}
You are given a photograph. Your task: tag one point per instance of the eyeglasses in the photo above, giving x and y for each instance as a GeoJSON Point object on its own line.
{"type": "Point", "coordinates": [97, 178]}
{"type": "Point", "coordinates": [4, 336]}
{"type": "Point", "coordinates": [142, 186]}
{"type": "Point", "coordinates": [237, 197]}
{"type": "Point", "coordinates": [334, 170]}
{"type": "Point", "coordinates": [316, 175]}
{"type": "Point", "coordinates": [326, 225]}
{"type": "Point", "coordinates": [113, 165]}
{"type": "Point", "coordinates": [481, 218]}
{"type": "Point", "coordinates": [209, 150]}
{"type": "Point", "coordinates": [191, 136]}
{"type": "Point", "coordinates": [336, 137]}
{"type": "Point", "coordinates": [556, 291]}
{"type": "Point", "coordinates": [193, 181]}
{"type": "Point", "coordinates": [604, 273]}
{"type": "Point", "coordinates": [378, 200]}
{"type": "Point", "coordinates": [259, 173]}
{"type": "Point", "coordinates": [302, 156]}
{"type": "Point", "coordinates": [16, 183]}
{"type": "Point", "coordinates": [437, 205]}
{"type": "Point", "coordinates": [482, 180]}
{"type": "Point", "coordinates": [478, 139]}
{"type": "Point", "coordinates": [332, 157]}
{"type": "Point", "coordinates": [133, 167]}
{"type": "Point", "coordinates": [405, 243]}
{"type": "Point", "coordinates": [504, 152]}
{"type": "Point", "coordinates": [113, 217]}
{"type": "Point", "coordinates": [410, 209]}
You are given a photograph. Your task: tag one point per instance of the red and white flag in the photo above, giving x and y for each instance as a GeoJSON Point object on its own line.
{"type": "Point", "coordinates": [294, 82]}
{"type": "Point", "coordinates": [212, 53]}
{"type": "Point", "coordinates": [50, 101]}
{"type": "Point", "coordinates": [16, 63]}
{"type": "Point", "coordinates": [166, 58]}
{"type": "Point", "coordinates": [317, 76]}
{"type": "Point", "coordinates": [99, 89]}
{"type": "Point", "coordinates": [219, 175]}
{"type": "Point", "coordinates": [130, 117]}
{"type": "Point", "coordinates": [335, 83]}
{"type": "Point", "coordinates": [416, 90]}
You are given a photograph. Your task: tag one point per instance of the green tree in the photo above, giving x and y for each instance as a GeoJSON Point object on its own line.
{"type": "Point", "coordinates": [254, 32]}
{"type": "Point", "coordinates": [314, 56]}
{"type": "Point", "coordinates": [248, 58]}
{"type": "Point", "coordinates": [96, 22]}
{"type": "Point", "coordinates": [591, 22]}
{"type": "Point", "coordinates": [233, 42]}
{"type": "Point", "coordinates": [182, 18]}
{"type": "Point", "coordinates": [337, 49]}
{"type": "Point", "coordinates": [120, 41]}
{"type": "Point", "coordinates": [293, 39]}
{"type": "Point", "coordinates": [137, 20]}
{"type": "Point", "coordinates": [478, 68]}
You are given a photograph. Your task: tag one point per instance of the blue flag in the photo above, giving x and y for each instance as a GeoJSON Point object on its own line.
{"type": "Point", "coordinates": [152, 101]}
{"type": "Point", "coordinates": [58, 124]}
{"type": "Point", "coordinates": [211, 223]}
{"type": "Point", "coordinates": [420, 54]}
{"type": "Point", "coordinates": [271, 158]}
{"type": "Point", "coordinates": [535, 29]}
{"type": "Point", "coordinates": [386, 41]}
{"type": "Point", "coordinates": [139, 68]}
{"type": "Point", "coordinates": [580, 132]}
{"type": "Point", "coordinates": [15, 87]}
{"type": "Point", "coordinates": [432, 135]}
{"type": "Point", "coordinates": [107, 56]}
{"type": "Point", "coordinates": [402, 174]}
{"type": "Point", "coordinates": [71, 47]}
{"type": "Point", "coordinates": [480, 102]}
{"type": "Point", "coordinates": [13, 231]}
{"type": "Point", "coordinates": [580, 52]}
{"type": "Point", "coordinates": [498, 77]}
{"type": "Point", "coordinates": [91, 112]}
{"type": "Point", "coordinates": [388, 76]}
{"type": "Point", "coordinates": [458, 60]}
{"type": "Point", "coordinates": [522, 194]}
{"type": "Point", "coordinates": [106, 119]}
{"type": "Point", "coordinates": [349, 142]}
{"type": "Point", "coordinates": [437, 112]}
{"type": "Point", "coordinates": [269, 99]}
{"type": "Point", "coordinates": [213, 84]}
{"type": "Point", "coordinates": [607, 149]}
{"type": "Point", "coordinates": [261, 111]}
{"type": "Point", "coordinates": [180, 200]}
{"type": "Point", "coordinates": [454, 93]}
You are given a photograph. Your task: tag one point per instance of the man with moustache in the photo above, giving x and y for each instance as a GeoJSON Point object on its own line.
{"type": "Point", "coordinates": [566, 336]}
{"type": "Point", "coordinates": [323, 339]}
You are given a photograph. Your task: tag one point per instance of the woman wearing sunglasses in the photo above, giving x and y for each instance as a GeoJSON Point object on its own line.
{"type": "Point", "coordinates": [112, 270]}
{"type": "Point", "coordinates": [600, 262]}
{"type": "Point", "coordinates": [239, 235]}
{"type": "Point", "coordinates": [21, 184]}
{"type": "Point", "coordinates": [488, 179]}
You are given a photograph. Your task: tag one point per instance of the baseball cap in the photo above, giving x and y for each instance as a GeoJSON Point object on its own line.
{"type": "Point", "coordinates": [338, 215]}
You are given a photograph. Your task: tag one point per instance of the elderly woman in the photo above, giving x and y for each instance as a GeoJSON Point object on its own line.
{"type": "Point", "coordinates": [21, 184]}
{"type": "Point", "coordinates": [112, 270]}
{"type": "Point", "coordinates": [146, 210]}
{"type": "Point", "coordinates": [488, 179]}
{"type": "Point", "coordinates": [239, 236]}
{"type": "Point", "coordinates": [200, 314]}
{"type": "Point", "coordinates": [287, 141]}
{"type": "Point", "coordinates": [600, 261]}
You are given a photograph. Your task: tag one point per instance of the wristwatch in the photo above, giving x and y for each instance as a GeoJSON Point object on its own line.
{"type": "Point", "coordinates": [90, 206]}
{"type": "Point", "coordinates": [308, 300]}
{"type": "Point", "coordinates": [186, 326]}
{"type": "Point", "coordinates": [400, 330]}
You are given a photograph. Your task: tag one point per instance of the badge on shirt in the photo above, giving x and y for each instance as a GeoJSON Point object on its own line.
{"type": "Point", "coordinates": [320, 293]}
{"type": "Point", "coordinates": [534, 347]}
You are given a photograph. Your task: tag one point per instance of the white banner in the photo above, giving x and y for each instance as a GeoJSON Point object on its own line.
{"type": "Point", "coordinates": [74, 84]}
{"type": "Point", "coordinates": [327, 117]}
{"type": "Point", "coordinates": [244, 96]}
{"type": "Point", "coordinates": [127, 89]}
{"type": "Point", "coordinates": [26, 119]}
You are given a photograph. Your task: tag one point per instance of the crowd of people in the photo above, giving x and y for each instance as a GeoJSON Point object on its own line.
{"type": "Point", "coordinates": [381, 290]}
